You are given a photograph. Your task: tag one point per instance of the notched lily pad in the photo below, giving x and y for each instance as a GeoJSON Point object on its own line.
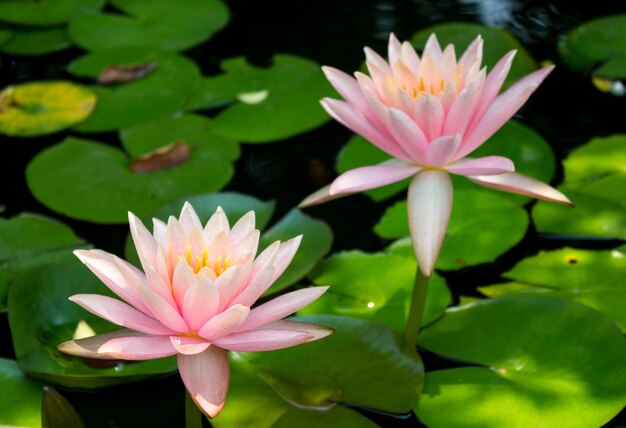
{"type": "Point", "coordinates": [483, 225]}
{"type": "Point", "coordinates": [361, 363]}
{"type": "Point", "coordinates": [531, 154]}
{"type": "Point", "coordinates": [594, 278]}
{"type": "Point", "coordinates": [595, 181]}
{"type": "Point", "coordinates": [109, 188]}
{"type": "Point", "coordinates": [30, 240]}
{"type": "Point", "coordinates": [41, 317]}
{"type": "Point", "coordinates": [20, 397]}
{"type": "Point", "coordinates": [542, 361]}
{"type": "Point", "coordinates": [497, 43]}
{"type": "Point", "coordinates": [375, 287]}
{"type": "Point", "coordinates": [156, 95]}
{"type": "Point", "coordinates": [153, 24]}
{"type": "Point", "coordinates": [266, 104]}
{"type": "Point", "coordinates": [40, 108]}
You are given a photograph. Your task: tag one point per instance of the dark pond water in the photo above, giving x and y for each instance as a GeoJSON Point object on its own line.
{"type": "Point", "coordinates": [567, 112]}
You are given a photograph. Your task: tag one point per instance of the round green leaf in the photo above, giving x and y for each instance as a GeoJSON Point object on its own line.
{"type": "Point", "coordinates": [36, 41]}
{"type": "Point", "coordinates": [317, 238]}
{"type": "Point", "coordinates": [594, 278]}
{"type": "Point", "coordinates": [152, 24]}
{"type": "Point", "coordinates": [92, 181]}
{"type": "Point", "coordinates": [272, 104]}
{"type": "Point", "coordinates": [374, 287]}
{"type": "Point", "coordinates": [361, 363]}
{"type": "Point", "coordinates": [483, 225]}
{"type": "Point", "coordinates": [595, 181]}
{"type": "Point", "coordinates": [44, 12]}
{"type": "Point", "coordinates": [600, 41]}
{"type": "Point", "coordinates": [498, 42]}
{"type": "Point", "coordinates": [41, 317]}
{"type": "Point", "coordinates": [5, 35]}
{"type": "Point", "coordinates": [20, 397]}
{"type": "Point", "coordinates": [235, 205]}
{"type": "Point", "coordinates": [531, 154]}
{"type": "Point", "coordinates": [30, 240]}
{"type": "Point", "coordinates": [39, 108]}
{"type": "Point", "coordinates": [540, 359]}
{"type": "Point", "coordinates": [160, 93]}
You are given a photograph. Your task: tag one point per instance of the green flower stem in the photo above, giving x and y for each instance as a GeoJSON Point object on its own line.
{"type": "Point", "coordinates": [193, 415]}
{"type": "Point", "coordinates": [416, 311]}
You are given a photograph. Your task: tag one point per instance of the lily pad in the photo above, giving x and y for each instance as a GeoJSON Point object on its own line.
{"type": "Point", "coordinates": [157, 95]}
{"type": "Point", "coordinates": [531, 154]}
{"type": "Point", "coordinates": [594, 278]}
{"type": "Point", "coordinates": [41, 317]}
{"type": "Point", "coordinates": [542, 361]}
{"type": "Point", "coordinates": [30, 240]}
{"type": "Point", "coordinates": [361, 363]}
{"type": "Point", "coordinates": [152, 24]}
{"type": "Point", "coordinates": [91, 181]}
{"type": "Point", "coordinates": [35, 41]}
{"type": "Point", "coordinates": [375, 287]}
{"type": "Point", "coordinates": [20, 397]}
{"type": "Point", "coordinates": [317, 238]}
{"type": "Point", "coordinates": [497, 43]}
{"type": "Point", "coordinates": [268, 104]}
{"type": "Point", "coordinates": [40, 108]}
{"type": "Point", "coordinates": [235, 205]}
{"type": "Point", "coordinates": [598, 43]}
{"type": "Point", "coordinates": [44, 12]}
{"type": "Point", "coordinates": [595, 180]}
{"type": "Point", "coordinates": [483, 225]}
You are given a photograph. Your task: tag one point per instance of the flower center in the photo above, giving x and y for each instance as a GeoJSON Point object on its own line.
{"type": "Point", "coordinates": [218, 266]}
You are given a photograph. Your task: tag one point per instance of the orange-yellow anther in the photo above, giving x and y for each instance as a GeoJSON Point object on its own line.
{"type": "Point", "coordinates": [198, 263]}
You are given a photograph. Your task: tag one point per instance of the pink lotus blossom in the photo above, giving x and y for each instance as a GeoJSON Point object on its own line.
{"type": "Point", "coordinates": [193, 299]}
{"type": "Point", "coordinates": [430, 113]}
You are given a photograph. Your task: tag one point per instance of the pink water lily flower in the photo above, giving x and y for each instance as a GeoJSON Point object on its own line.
{"type": "Point", "coordinates": [193, 299]}
{"type": "Point", "coordinates": [430, 113]}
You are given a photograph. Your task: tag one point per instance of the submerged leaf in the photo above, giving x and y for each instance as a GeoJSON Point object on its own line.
{"type": "Point", "coordinates": [169, 156]}
{"type": "Point", "coordinates": [116, 73]}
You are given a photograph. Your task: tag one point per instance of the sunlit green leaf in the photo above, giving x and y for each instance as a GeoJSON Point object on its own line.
{"type": "Point", "coordinates": [595, 181]}
{"type": "Point", "coordinates": [39, 108]}
{"type": "Point", "coordinates": [594, 278]}
{"type": "Point", "coordinates": [41, 317]}
{"type": "Point", "coordinates": [152, 24]}
{"type": "Point", "coordinates": [20, 397]}
{"type": "Point", "coordinates": [375, 287]}
{"type": "Point", "coordinates": [538, 359]}
{"type": "Point", "coordinates": [483, 225]}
